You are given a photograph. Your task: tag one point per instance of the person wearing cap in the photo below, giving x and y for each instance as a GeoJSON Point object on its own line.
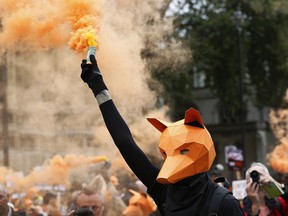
{"type": "Point", "coordinates": [182, 187]}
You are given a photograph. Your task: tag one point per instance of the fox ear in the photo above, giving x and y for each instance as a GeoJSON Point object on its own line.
{"type": "Point", "coordinates": [133, 192]}
{"type": "Point", "coordinates": [158, 124]}
{"type": "Point", "coordinates": [193, 115]}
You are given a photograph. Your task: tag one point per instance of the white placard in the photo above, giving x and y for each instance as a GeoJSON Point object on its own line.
{"type": "Point", "coordinates": [239, 189]}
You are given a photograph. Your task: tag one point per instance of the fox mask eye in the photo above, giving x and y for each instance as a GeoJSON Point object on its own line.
{"type": "Point", "coordinates": [184, 151]}
{"type": "Point", "coordinates": [186, 147]}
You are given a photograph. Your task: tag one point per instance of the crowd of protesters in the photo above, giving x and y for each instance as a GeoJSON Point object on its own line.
{"type": "Point", "coordinates": [103, 195]}
{"type": "Point", "coordinates": [110, 197]}
{"type": "Point", "coordinates": [187, 183]}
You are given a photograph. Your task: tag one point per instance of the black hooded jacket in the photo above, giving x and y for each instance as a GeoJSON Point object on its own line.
{"type": "Point", "coordinates": [188, 197]}
{"type": "Point", "coordinates": [192, 196]}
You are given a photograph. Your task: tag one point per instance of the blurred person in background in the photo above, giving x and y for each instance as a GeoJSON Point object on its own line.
{"type": "Point", "coordinates": [89, 202]}
{"type": "Point", "coordinates": [216, 173]}
{"type": "Point", "coordinates": [50, 206]}
{"type": "Point", "coordinates": [72, 203]}
{"type": "Point", "coordinates": [5, 208]}
{"type": "Point", "coordinates": [257, 201]}
{"type": "Point", "coordinates": [74, 191]}
{"type": "Point", "coordinates": [20, 208]}
{"type": "Point", "coordinates": [33, 197]}
{"type": "Point", "coordinates": [35, 211]}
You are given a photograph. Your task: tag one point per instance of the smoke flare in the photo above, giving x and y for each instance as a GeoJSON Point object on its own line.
{"type": "Point", "coordinates": [44, 24]}
{"type": "Point", "coordinates": [55, 171]}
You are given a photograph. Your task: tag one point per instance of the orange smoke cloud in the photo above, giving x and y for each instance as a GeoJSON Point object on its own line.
{"type": "Point", "coordinates": [55, 171]}
{"type": "Point", "coordinates": [47, 24]}
{"type": "Point", "coordinates": [279, 156]}
{"type": "Point", "coordinates": [4, 172]}
{"type": "Point", "coordinates": [122, 33]}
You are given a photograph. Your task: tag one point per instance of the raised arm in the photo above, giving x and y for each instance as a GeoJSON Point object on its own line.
{"type": "Point", "coordinates": [117, 127]}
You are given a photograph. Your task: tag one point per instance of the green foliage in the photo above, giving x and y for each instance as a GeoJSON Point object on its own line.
{"type": "Point", "coordinates": [212, 36]}
{"type": "Point", "coordinates": [267, 55]}
{"type": "Point", "coordinates": [208, 29]}
{"type": "Point", "coordinates": [178, 91]}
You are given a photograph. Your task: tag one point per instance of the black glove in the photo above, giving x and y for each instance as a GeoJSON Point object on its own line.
{"type": "Point", "coordinates": [92, 75]}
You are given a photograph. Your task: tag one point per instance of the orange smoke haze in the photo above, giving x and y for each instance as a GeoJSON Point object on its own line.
{"type": "Point", "coordinates": [3, 173]}
{"type": "Point", "coordinates": [279, 156]}
{"type": "Point", "coordinates": [53, 110]}
{"type": "Point", "coordinates": [279, 124]}
{"type": "Point", "coordinates": [44, 24]}
{"type": "Point", "coordinates": [55, 171]}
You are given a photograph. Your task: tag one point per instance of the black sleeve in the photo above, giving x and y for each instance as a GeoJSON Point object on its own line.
{"type": "Point", "coordinates": [247, 205]}
{"type": "Point", "coordinates": [158, 192]}
{"type": "Point", "coordinates": [122, 137]}
{"type": "Point", "coordinates": [231, 206]}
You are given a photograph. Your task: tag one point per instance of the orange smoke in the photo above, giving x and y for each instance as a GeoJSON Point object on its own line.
{"type": "Point", "coordinates": [55, 171]}
{"type": "Point", "coordinates": [84, 21]}
{"type": "Point", "coordinates": [45, 24]}
{"type": "Point", "coordinates": [4, 171]}
{"type": "Point", "coordinates": [279, 124]}
{"type": "Point", "coordinates": [278, 158]}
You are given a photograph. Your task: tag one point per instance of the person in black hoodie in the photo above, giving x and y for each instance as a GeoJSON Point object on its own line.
{"type": "Point", "coordinates": [188, 192]}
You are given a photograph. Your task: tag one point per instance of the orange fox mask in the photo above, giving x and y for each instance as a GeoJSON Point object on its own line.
{"type": "Point", "coordinates": [140, 204]}
{"type": "Point", "coordinates": [186, 147]}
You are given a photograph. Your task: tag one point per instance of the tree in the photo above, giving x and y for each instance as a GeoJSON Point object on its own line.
{"type": "Point", "coordinates": [208, 30]}
{"type": "Point", "coordinates": [267, 52]}
{"type": "Point", "coordinates": [167, 60]}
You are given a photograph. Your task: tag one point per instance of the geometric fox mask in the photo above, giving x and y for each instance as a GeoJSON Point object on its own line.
{"type": "Point", "coordinates": [186, 146]}
{"type": "Point", "coordinates": [140, 204]}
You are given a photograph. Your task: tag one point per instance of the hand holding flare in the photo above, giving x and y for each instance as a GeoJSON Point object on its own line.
{"type": "Point", "coordinates": [91, 42]}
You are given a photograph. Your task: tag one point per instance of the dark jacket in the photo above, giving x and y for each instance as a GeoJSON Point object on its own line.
{"type": "Point", "coordinates": [193, 196]}
{"type": "Point", "coordinates": [277, 206]}
{"type": "Point", "coordinates": [188, 197]}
